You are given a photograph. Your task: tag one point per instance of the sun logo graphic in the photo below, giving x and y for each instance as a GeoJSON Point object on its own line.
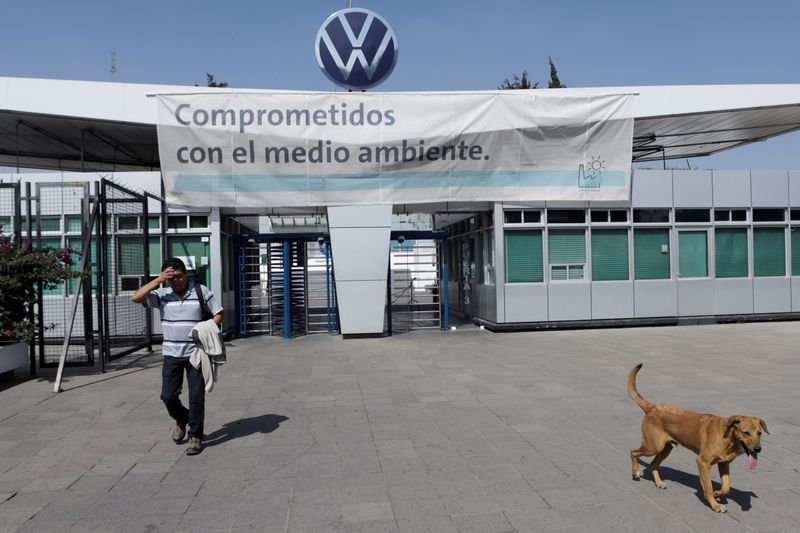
{"type": "Point", "coordinates": [590, 174]}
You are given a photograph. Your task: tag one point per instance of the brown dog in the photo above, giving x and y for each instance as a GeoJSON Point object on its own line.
{"type": "Point", "coordinates": [714, 439]}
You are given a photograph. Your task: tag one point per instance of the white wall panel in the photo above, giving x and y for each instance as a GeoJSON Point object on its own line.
{"type": "Point", "coordinates": [695, 297]}
{"type": "Point", "coordinates": [526, 302]}
{"type": "Point", "coordinates": [731, 188]}
{"type": "Point", "coordinates": [770, 188]}
{"type": "Point", "coordinates": [652, 188]}
{"type": "Point", "coordinates": [612, 299]}
{"type": "Point", "coordinates": [733, 296]}
{"type": "Point", "coordinates": [772, 295]}
{"type": "Point", "coordinates": [655, 298]}
{"type": "Point", "coordinates": [569, 301]}
{"type": "Point", "coordinates": [692, 188]}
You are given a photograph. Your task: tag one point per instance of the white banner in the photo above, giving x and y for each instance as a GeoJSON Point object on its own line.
{"type": "Point", "coordinates": [317, 149]}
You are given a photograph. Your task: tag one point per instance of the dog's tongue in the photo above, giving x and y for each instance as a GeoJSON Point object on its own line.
{"type": "Point", "coordinates": [752, 462]}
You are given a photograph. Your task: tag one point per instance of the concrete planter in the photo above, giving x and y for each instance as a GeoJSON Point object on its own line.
{"type": "Point", "coordinates": [13, 356]}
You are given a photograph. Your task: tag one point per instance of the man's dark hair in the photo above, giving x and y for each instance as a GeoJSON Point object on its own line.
{"type": "Point", "coordinates": [175, 263]}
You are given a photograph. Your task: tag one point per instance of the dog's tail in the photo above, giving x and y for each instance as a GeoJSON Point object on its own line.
{"type": "Point", "coordinates": [634, 394]}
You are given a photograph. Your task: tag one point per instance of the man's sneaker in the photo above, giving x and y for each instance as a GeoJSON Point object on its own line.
{"type": "Point", "coordinates": [179, 433]}
{"type": "Point", "coordinates": [195, 446]}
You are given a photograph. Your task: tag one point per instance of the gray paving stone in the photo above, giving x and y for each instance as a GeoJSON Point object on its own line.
{"type": "Point", "coordinates": [427, 431]}
{"type": "Point", "coordinates": [482, 523]}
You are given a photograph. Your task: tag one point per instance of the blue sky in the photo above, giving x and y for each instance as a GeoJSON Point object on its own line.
{"type": "Point", "coordinates": [444, 45]}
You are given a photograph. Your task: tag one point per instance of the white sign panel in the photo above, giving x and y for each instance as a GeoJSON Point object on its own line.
{"type": "Point", "coordinates": [315, 149]}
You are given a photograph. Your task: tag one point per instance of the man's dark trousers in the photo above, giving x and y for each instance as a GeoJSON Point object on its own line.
{"type": "Point", "coordinates": [171, 384]}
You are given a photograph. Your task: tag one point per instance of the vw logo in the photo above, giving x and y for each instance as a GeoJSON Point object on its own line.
{"type": "Point", "coordinates": [356, 48]}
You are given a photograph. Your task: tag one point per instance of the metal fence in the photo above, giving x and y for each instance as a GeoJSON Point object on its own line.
{"type": "Point", "coordinates": [112, 224]}
{"type": "Point", "coordinates": [128, 255]}
{"type": "Point", "coordinates": [414, 285]}
{"type": "Point", "coordinates": [60, 218]}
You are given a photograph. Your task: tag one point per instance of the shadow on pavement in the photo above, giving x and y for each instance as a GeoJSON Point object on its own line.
{"type": "Point", "coordinates": [243, 428]}
{"type": "Point", "coordinates": [742, 498]}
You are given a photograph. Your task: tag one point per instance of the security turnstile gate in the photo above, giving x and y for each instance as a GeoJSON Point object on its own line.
{"type": "Point", "coordinates": [417, 273]}
{"type": "Point", "coordinates": [285, 285]}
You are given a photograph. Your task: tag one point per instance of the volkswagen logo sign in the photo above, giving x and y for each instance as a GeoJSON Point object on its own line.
{"type": "Point", "coordinates": [356, 48]}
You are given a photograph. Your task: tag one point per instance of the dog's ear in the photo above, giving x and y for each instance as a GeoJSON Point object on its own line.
{"type": "Point", "coordinates": [731, 423]}
{"type": "Point", "coordinates": [763, 426]}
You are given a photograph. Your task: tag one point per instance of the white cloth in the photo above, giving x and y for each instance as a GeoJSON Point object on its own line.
{"type": "Point", "coordinates": [208, 343]}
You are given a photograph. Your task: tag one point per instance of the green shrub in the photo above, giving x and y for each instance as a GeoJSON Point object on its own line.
{"type": "Point", "coordinates": [22, 266]}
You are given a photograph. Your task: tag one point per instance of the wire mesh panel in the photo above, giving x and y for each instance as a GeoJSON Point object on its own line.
{"type": "Point", "coordinates": [125, 251]}
{"type": "Point", "coordinates": [61, 220]}
{"type": "Point", "coordinates": [10, 215]}
{"type": "Point", "coordinates": [415, 285]}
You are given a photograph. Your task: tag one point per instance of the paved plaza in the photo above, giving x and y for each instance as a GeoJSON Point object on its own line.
{"type": "Point", "coordinates": [464, 431]}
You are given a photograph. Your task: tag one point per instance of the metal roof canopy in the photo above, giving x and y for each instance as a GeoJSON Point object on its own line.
{"type": "Point", "coordinates": [97, 127]}
{"type": "Point", "coordinates": [702, 134]}
{"type": "Point", "coordinates": [29, 140]}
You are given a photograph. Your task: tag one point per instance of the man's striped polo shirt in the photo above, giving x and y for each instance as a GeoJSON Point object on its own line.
{"type": "Point", "coordinates": [179, 314]}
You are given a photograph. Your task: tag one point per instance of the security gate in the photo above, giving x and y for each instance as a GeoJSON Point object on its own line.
{"type": "Point", "coordinates": [285, 285]}
{"type": "Point", "coordinates": [417, 275]}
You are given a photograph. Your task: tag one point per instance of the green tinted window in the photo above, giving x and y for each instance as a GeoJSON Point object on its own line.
{"type": "Point", "coordinates": [731, 252]}
{"type": "Point", "coordinates": [769, 252]}
{"type": "Point", "coordinates": [609, 254]}
{"type": "Point", "coordinates": [73, 223]}
{"type": "Point", "coordinates": [155, 256]}
{"type": "Point", "coordinates": [131, 256]}
{"type": "Point", "coordinates": [523, 256]}
{"type": "Point", "coordinates": [567, 253]}
{"type": "Point", "coordinates": [795, 251]}
{"type": "Point", "coordinates": [50, 224]}
{"type": "Point", "coordinates": [651, 254]}
{"type": "Point", "coordinates": [52, 242]}
{"type": "Point", "coordinates": [76, 244]}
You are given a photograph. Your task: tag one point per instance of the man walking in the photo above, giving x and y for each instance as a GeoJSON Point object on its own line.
{"type": "Point", "coordinates": [180, 311]}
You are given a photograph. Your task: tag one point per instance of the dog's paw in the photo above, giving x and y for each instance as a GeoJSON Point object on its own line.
{"type": "Point", "coordinates": [636, 476]}
{"type": "Point", "coordinates": [661, 485]}
{"type": "Point", "coordinates": [720, 509]}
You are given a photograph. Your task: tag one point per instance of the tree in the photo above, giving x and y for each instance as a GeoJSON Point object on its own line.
{"type": "Point", "coordinates": [22, 267]}
{"type": "Point", "coordinates": [210, 82]}
{"type": "Point", "coordinates": [524, 82]}
{"type": "Point", "coordinates": [554, 83]}
{"type": "Point", "coordinates": [518, 83]}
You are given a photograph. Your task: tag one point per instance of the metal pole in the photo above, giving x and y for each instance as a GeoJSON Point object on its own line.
{"type": "Point", "coordinates": [103, 277]}
{"type": "Point", "coordinates": [389, 297]}
{"type": "Point", "coordinates": [287, 293]}
{"type": "Point", "coordinates": [241, 315]}
{"type": "Point", "coordinates": [443, 289]}
{"type": "Point", "coordinates": [90, 215]}
{"type": "Point", "coordinates": [328, 288]}
{"type": "Point", "coordinates": [16, 130]}
{"type": "Point", "coordinates": [29, 233]}
{"type": "Point", "coordinates": [39, 288]}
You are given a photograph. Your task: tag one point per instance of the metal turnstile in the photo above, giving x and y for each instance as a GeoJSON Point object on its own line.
{"type": "Point", "coordinates": [285, 286]}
